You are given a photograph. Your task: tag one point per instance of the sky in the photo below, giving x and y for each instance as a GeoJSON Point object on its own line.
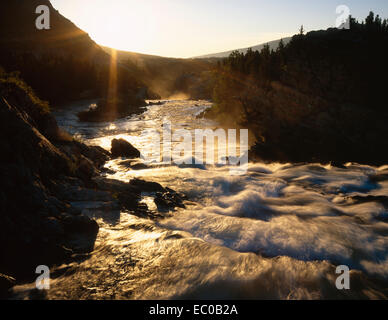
{"type": "Point", "coordinates": [188, 28]}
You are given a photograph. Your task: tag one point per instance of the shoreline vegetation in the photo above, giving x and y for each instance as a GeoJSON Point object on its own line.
{"type": "Point", "coordinates": [320, 98]}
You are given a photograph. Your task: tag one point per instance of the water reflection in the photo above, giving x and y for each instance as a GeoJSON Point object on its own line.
{"type": "Point", "coordinates": [276, 232]}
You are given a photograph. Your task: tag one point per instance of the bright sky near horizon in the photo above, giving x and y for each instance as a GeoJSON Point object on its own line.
{"type": "Point", "coordinates": [187, 28]}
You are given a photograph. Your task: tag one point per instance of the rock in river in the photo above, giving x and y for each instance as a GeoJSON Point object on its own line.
{"type": "Point", "coordinates": [122, 148]}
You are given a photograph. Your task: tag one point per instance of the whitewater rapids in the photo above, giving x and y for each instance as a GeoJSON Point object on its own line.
{"type": "Point", "coordinates": [277, 232]}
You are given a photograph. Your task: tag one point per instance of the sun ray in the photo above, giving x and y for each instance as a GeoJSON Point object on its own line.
{"type": "Point", "coordinates": [112, 86]}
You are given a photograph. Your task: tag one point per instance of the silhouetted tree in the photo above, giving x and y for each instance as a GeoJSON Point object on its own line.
{"type": "Point", "coordinates": [330, 72]}
{"type": "Point", "coordinates": [370, 19]}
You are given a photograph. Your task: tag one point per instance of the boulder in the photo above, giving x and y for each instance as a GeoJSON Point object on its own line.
{"type": "Point", "coordinates": [146, 186]}
{"type": "Point", "coordinates": [122, 148]}
{"type": "Point", "coordinates": [168, 200]}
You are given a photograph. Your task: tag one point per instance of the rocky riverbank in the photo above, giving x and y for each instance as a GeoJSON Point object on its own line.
{"type": "Point", "coordinates": [48, 178]}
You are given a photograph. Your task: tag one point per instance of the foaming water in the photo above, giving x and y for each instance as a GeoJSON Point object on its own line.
{"type": "Point", "coordinates": [279, 231]}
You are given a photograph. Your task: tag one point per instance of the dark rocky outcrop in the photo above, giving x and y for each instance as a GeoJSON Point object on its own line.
{"type": "Point", "coordinates": [96, 154]}
{"type": "Point", "coordinates": [46, 179]}
{"type": "Point", "coordinates": [122, 148]}
{"type": "Point", "coordinates": [39, 225]}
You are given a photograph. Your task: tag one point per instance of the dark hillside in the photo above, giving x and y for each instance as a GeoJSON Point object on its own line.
{"type": "Point", "coordinates": [171, 77]}
{"type": "Point", "coordinates": [322, 97]}
{"type": "Point", "coordinates": [61, 64]}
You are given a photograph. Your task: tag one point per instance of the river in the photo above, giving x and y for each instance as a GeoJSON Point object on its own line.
{"type": "Point", "coordinates": [277, 232]}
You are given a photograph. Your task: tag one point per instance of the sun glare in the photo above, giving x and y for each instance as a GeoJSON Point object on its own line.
{"type": "Point", "coordinates": [126, 25]}
{"type": "Point", "coordinates": [125, 29]}
{"type": "Point", "coordinates": [166, 28]}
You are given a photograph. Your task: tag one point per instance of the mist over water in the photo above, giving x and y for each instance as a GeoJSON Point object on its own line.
{"type": "Point", "coordinates": [279, 231]}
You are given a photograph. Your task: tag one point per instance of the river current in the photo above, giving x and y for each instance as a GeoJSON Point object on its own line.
{"type": "Point", "coordinates": [277, 232]}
